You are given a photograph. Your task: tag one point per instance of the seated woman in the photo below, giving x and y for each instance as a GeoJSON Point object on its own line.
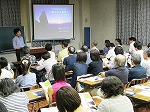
{"type": "Point", "coordinates": [27, 79]}
{"type": "Point", "coordinates": [96, 66]}
{"type": "Point", "coordinates": [79, 68]}
{"type": "Point", "coordinates": [10, 96]}
{"type": "Point", "coordinates": [68, 100]}
{"type": "Point", "coordinates": [59, 76]}
{"type": "Point", "coordinates": [114, 101]}
{"type": "Point", "coordinates": [4, 73]}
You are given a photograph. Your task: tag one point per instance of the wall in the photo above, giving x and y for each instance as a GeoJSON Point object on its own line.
{"type": "Point", "coordinates": [103, 20]}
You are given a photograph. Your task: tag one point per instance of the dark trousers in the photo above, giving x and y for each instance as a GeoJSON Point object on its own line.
{"type": "Point", "coordinates": [19, 54]}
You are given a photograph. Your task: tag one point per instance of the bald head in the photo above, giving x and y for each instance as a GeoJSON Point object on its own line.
{"type": "Point", "coordinates": [120, 60]}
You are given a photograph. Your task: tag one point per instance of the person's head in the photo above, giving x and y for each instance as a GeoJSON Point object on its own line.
{"type": "Point", "coordinates": [71, 50]}
{"type": "Point", "coordinates": [148, 45]}
{"type": "Point", "coordinates": [64, 44]}
{"type": "Point", "coordinates": [8, 87]}
{"type": "Point", "coordinates": [94, 55]}
{"type": "Point", "coordinates": [17, 32]}
{"type": "Point", "coordinates": [118, 50]}
{"type": "Point", "coordinates": [26, 50]}
{"type": "Point", "coordinates": [111, 45]}
{"type": "Point", "coordinates": [146, 54]}
{"type": "Point", "coordinates": [112, 86]}
{"type": "Point", "coordinates": [84, 48]}
{"type": "Point", "coordinates": [48, 47]}
{"type": "Point", "coordinates": [3, 63]}
{"type": "Point", "coordinates": [67, 99]}
{"type": "Point", "coordinates": [58, 72]}
{"type": "Point", "coordinates": [94, 43]}
{"type": "Point", "coordinates": [107, 42]}
{"type": "Point", "coordinates": [25, 65]}
{"type": "Point", "coordinates": [46, 55]}
{"type": "Point", "coordinates": [81, 57]}
{"type": "Point", "coordinates": [118, 42]}
{"type": "Point", "coordinates": [138, 45]}
{"type": "Point", "coordinates": [3, 107]}
{"type": "Point", "coordinates": [132, 39]}
{"type": "Point", "coordinates": [120, 60]}
{"type": "Point", "coordinates": [135, 59]}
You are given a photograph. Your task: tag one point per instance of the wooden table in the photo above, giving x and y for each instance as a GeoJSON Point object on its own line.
{"type": "Point", "coordinates": [89, 83]}
{"type": "Point", "coordinates": [35, 102]}
{"type": "Point", "coordinates": [138, 96]}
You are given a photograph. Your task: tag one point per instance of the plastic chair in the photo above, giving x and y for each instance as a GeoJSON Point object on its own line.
{"type": "Point", "coordinates": [139, 81]}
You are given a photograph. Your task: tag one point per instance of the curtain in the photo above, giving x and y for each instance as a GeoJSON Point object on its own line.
{"type": "Point", "coordinates": [10, 13]}
{"type": "Point", "coordinates": [133, 19]}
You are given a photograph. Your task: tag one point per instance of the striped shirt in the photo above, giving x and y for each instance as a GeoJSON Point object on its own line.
{"type": "Point", "coordinates": [16, 102]}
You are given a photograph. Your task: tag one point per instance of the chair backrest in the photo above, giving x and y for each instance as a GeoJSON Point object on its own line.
{"type": "Point", "coordinates": [29, 88]}
{"type": "Point", "coordinates": [139, 81]}
{"type": "Point", "coordinates": [127, 85]}
{"type": "Point", "coordinates": [36, 86]}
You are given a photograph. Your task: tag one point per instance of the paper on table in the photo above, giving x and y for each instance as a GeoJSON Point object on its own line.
{"type": "Point", "coordinates": [144, 93]}
{"type": "Point", "coordinates": [51, 109]}
{"type": "Point", "coordinates": [141, 87]}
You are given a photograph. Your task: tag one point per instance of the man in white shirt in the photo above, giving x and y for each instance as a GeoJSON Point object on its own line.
{"type": "Point", "coordinates": [48, 47]}
{"type": "Point", "coordinates": [111, 53]}
{"type": "Point", "coordinates": [138, 49]}
{"type": "Point", "coordinates": [146, 62]}
{"type": "Point", "coordinates": [131, 47]}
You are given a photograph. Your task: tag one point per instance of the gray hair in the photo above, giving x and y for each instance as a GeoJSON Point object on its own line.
{"type": "Point", "coordinates": [136, 58]}
{"type": "Point", "coordinates": [120, 60]}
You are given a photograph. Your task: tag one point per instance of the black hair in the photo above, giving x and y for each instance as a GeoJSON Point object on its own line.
{"type": "Point", "coordinates": [118, 50]}
{"type": "Point", "coordinates": [48, 47]}
{"type": "Point", "coordinates": [25, 65]}
{"type": "Point", "coordinates": [147, 52]}
{"type": "Point", "coordinates": [3, 62]}
{"type": "Point", "coordinates": [132, 38]}
{"type": "Point", "coordinates": [119, 41]}
{"type": "Point", "coordinates": [46, 55]}
{"type": "Point", "coordinates": [8, 87]}
{"type": "Point", "coordinates": [81, 57]}
{"type": "Point", "coordinates": [94, 55]}
{"type": "Point", "coordinates": [111, 45]}
{"type": "Point", "coordinates": [138, 45]}
{"type": "Point", "coordinates": [58, 72]}
{"type": "Point", "coordinates": [112, 86]}
{"type": "Point", "coordinates": [71, 50]}
{"type": "Point", "coordinates": [67, 99]}
{"type": "Point", "coordinates": [84, 48]}
{"type": "Point", "coordinates": [107, 41]}
{"type": "Point", "coordinates": [16, 30]}
{"type": "Point", "coordinates": [148, 45]}
{"type": "Point", "coordinates": [65, 43]}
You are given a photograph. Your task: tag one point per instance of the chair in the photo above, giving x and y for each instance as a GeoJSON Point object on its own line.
{"type": "Point", "coordinates": [139, 81]}
{"type": "Point", "coordinates": [127, 85]}
{"type": "Point", "coordinates": [29, 88]}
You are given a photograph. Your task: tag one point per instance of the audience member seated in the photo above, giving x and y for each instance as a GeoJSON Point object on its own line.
{"type": "Point", "coordinates": [111, 54]}
{"type": "Point", "coordinates": [48, 47]}
{"type": "Point", "coordinates": [47, 65]}
{"type": "Point", "coordinates": [106, 49]}
{"type": "Point", "coordinates": [32, 58]}
{"type": "Point", "coordinates": [59, 76]}
{"type": "Point", "coordinates": [118, 42]}
{"type": "Point", "coordinates": [27, 79]}
{"type": "Point", "coordinates": [120, 71]}
{"type": "Point", "coordinates": [114, 100]}
{"type": "Point", "coordinates": [137, 71]}
{"type": "Point", "coordinates": [117, 50]}
{"type": "Point", "coordinates": [79, 68]}
{"type": "Point", "coordinates": [148, 45]}
{"type": "Point", "coordinates": [64, 53]}
{"type": "Point", "coordinates": [96, 66]}
{"type": "Point", "coordinates": [68, 100]}
{"type": "Point", "coordinates": [131, 47]}
{"type": "Point", "coordinates": [84, 48]}
{"type": "Point", "coordinates": [146, 62]}
{"type": "Point", "coordinates": [10, 96]}
{"type": "Point", "coordinates": [94, 45]}
{"type": "Point", "coordinates": [138, 49]}
{"type": "Point", "coordinates": [4, 73]}
{"type": "Point", "coordinates": [68, 61]}
{"type": "Point", "coordinates": [3, 107]}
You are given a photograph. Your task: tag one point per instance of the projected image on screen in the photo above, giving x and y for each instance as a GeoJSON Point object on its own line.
{"type": "Point", "coordinates": [53, 22]}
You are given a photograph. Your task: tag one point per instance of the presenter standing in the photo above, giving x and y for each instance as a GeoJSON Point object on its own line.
{"type": "Point", "coordinates": [18, 43]}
